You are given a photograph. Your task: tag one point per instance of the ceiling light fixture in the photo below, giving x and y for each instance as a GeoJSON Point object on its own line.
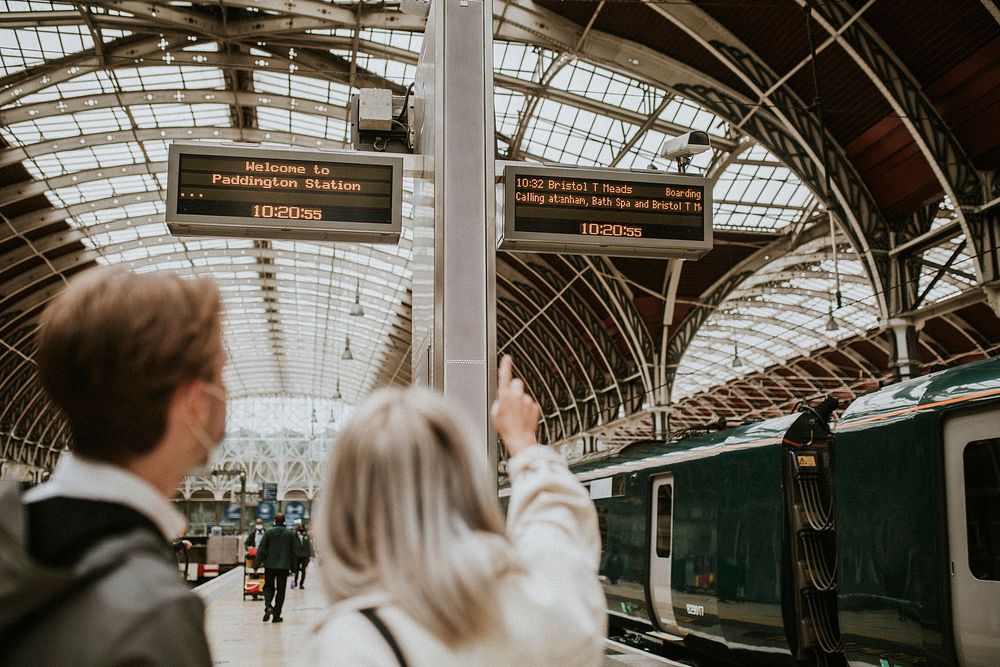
{"type": "Point", "coordinates": [831, 321]}
{"type": "Point", "coordinates": [736, 357]}
{"type": "Point", "coordinates": [357, 310]}
{"type": "Point", "coordinates": [347, 355]}
{"type": "Point", "coordinates": [829, 202]}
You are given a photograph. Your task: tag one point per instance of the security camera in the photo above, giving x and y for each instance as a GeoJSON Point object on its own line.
{"type": "Point", "coordinates": [418, 8]}
{"type": "Point", "coordinates": [685, 145]}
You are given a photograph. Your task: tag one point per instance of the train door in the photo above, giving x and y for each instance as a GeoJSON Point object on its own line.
{"type": "Point", "coordinates": [972, 482]}
{"type": "Point", "coordinates": [660, 549]}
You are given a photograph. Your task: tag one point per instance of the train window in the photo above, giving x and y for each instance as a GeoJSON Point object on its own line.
{"type": "Point", "coordinates": [982, 507]}
{"type": "Point", "coordinates": [618, 485]}
{"type": "Point", "coordinates": [664, 510]}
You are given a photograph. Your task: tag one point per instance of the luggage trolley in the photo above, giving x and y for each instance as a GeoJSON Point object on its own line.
{"type": "Point", "coordinates": [253, 583]}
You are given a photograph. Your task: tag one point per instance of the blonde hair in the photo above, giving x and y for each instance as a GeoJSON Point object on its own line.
{"type": "Point", "coordinates": [114, 346]}
{"type": "Point", "coordinates": [406, 507]}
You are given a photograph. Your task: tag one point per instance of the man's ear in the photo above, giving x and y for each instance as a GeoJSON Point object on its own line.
{"type": "Point", "coordinates": [187, 400]}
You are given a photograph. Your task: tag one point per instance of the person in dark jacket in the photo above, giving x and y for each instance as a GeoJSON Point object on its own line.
{"type": "Point", "coordinates": [276, 554]}
{"type": "Point", "coordinates": [252, 542]}
{"type": "Point", "coordinates": [87, 572]}
{"type": "Point", "coordinates": [303, 554]}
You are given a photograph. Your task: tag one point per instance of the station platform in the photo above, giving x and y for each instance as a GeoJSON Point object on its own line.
{"type": "Point", "coordinates": [238, 636]}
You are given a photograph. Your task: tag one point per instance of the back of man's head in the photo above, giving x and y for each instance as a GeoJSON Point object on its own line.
{"type": "Point", "coordinates": [114, 347]}
{"type": "Point", "coordinates": [279, 519]}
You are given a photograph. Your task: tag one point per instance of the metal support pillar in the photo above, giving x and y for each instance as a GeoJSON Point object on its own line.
{"type": "Point", "coordinates": [456, 127]}
{"type": "Point", "coordinates": [989, 262]}
{"type": "Point", "coordinates": [905, 361]}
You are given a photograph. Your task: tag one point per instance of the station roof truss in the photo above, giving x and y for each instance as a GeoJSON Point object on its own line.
{"type": "Point", "coordinates": [91, 94]}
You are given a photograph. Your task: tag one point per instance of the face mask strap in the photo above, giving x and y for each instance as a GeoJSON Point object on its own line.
{"type": "Point", "coordinates": [216, 391]}
{"type": "Point", "coordinates": [201, 436]}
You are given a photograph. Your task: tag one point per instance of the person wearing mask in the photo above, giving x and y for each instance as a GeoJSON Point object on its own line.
{"type": "Point", "coordinates": [87, 572]}
{"type": "Point", "coordinates": [253, 541]}
{"type": "Point", "coordinates": [276, 555]}
{"type": "Point", "coordinates": [417, 563]}
{"type": "Point", "coordinates": [303, 554]}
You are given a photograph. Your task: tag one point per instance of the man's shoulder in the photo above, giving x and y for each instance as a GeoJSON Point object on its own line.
{"type": "Point", "coordinates": [139, 595]}
{"type": "Point", "coordinates": [62, 530]}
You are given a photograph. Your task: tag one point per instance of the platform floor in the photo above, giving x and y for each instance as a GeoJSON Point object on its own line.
{"type": "Point", "coordinates": [238, 636]}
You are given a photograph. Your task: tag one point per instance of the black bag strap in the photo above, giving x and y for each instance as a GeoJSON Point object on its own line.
{"type": "Point", "coordinates": [370, 614]}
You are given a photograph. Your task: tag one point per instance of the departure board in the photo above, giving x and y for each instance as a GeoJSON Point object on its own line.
{"type": "Point", "coordinates": [605, 212]}
{"type": "Point", "coordinates": [256, 192]}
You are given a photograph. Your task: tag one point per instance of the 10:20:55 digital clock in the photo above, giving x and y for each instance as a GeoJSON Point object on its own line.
{"type": "Point", "coordinates": [286, 212]}
{"type": "Point", "coordinates": [608, 229]}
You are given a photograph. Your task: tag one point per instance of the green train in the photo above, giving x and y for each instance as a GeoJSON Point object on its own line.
{"type": "Point", "coordinates": [784, 542]}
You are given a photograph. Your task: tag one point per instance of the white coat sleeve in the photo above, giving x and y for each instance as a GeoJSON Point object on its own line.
{"type": "Point", "coordinates": [552, 523]}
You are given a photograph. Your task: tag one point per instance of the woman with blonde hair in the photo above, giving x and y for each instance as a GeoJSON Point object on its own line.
{"type": "Point", "coordinates": [416, 558]}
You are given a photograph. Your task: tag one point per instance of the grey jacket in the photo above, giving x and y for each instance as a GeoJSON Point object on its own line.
{"type": "Point", "coordinates": [121, 603]}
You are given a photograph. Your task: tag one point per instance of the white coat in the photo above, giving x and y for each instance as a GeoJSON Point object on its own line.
{"type": "Point", "coordinates": [553, 610]}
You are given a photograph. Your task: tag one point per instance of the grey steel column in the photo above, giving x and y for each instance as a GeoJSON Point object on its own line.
{"type": "Point", "coordinates": [455, 87]}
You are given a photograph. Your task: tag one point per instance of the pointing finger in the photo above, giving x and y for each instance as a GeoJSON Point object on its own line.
{"type": "Point", "coordinates": [505, 372]}
{"type": "Point", "coordinates": [516, 387]}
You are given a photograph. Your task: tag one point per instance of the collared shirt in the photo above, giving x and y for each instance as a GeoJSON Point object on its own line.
{"type": "Point", "coordinates": [86, 479]}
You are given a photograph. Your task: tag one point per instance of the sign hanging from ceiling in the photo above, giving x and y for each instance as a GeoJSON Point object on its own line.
{"type": "Point", "coordinates": [257, 192]}
{"type": "Point", "coordinates": [605, 212]}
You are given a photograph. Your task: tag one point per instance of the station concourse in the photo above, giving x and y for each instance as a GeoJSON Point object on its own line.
{"type": "Point", "coordinates": [680, 218]}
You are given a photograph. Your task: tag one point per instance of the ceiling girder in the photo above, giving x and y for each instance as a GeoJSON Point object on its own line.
{"type": "Point", "coordinates": [946, 157]}
{"type": "Point", "coordinates": [792, 132]}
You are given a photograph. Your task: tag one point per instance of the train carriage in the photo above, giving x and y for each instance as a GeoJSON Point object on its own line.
{"type": "Point", "coordinates": [780, 542]}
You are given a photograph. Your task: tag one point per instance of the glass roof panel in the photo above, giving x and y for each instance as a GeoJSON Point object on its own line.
{"type": "Point", "coordinates": [181, 115]}
{"type": "Point", "coordinates": [779, 313]}
{"type": "Point", "coordinates": [381, 68]}
{"type": "Point", "coordinates": [25, 47]}
{"type": "Point", "coordinates": [301, 123]}
{"type": "Point", "coordinates": [515, 59]}
{"type": "Point", "coordinates": [51, 165]}
{"type": "Point", "coordinates": [170, 78]}
{"type": "Point", "coordinates": [565, 134]}
{"type": "Point", "coordinates": [409, 41]}
{"type": "Point", "coordinates": [48, 128]}
{"type": "Point", "coordinates": [301, 87]}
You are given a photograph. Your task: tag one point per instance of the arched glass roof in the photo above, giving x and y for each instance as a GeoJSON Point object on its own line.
{"type": "Point", "coordinates": [91, 124]}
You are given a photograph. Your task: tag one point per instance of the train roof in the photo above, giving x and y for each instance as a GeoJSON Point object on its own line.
{"type": "Point", "coordinates": [972, 382]}
{"type": "Point", "coordinates": [653, 453]}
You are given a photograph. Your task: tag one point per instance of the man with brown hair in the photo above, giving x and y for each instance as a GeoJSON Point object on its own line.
{"type": "Point", "coordinates": [87, 576]}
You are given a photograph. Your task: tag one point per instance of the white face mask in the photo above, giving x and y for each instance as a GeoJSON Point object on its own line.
{"type": "Point", "coordinates": [260, 527]}
{"type": "Point", "coordinates": [199, 431]}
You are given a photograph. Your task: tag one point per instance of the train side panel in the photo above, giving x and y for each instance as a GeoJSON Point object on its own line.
{"type": "Point", "coordinates": [750, 565]}
{"type": "Point", "coordinates": [728, 524]}
{"type": "Point", "coordinates": [892, 544]}
{"type": "Point", "coordinates": [896, 598]}
{"type": "Point", "coordinates": [623, 520]}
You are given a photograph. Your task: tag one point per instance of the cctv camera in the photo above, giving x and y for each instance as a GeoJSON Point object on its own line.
{"type": "Point", "coordinates": [685, 145]}
{"type": "Point", "coordinates": [418, 8]}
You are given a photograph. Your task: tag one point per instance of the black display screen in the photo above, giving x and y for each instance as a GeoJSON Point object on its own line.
{"type": "Point", "coordinates": [608, 207]}
{"type": "Point", "coordinates": [253, 191]}
{"type": "Point", "coordinates": [605, 211]}
{"type": "Point", "coordinates": [284, 189]}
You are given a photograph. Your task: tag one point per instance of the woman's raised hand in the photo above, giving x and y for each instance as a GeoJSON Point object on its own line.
{"type": "Point", "coordinates": [515, 414]}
